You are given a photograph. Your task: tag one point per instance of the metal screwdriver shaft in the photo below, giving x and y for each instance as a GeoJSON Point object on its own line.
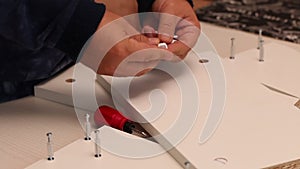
{"type": "Point", "coordinates": [87, 127]}
{"type": "Point", "coordinates": [232, 49]}
{"type": "Point", "coordinates": [97, 144]}
{"type": "Point", "coordinates": [259, 38]}
{"type": "Point", "coordinates": [50, 147]}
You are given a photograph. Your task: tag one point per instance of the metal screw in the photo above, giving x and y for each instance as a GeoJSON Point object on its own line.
{"type": "Point", "coordinates": [232, 49]}
{"type": "Point", "coordinates": [97, 144]}
{"type": "Point", "coordinates": [50, 147]}
{"type": "Point", "coordinates": [87, 127]}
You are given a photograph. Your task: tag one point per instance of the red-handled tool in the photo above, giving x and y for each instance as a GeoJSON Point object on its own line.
{"type": "Point", "coordinates": [106, 115]}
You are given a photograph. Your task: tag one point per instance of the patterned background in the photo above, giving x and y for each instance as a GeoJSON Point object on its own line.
{"type": "Point", "coordinates": [277, 18]}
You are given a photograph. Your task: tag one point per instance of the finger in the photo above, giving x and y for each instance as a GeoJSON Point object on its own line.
{"type": "Point", "coordinates": [187, 33]}
{"type": "Point", "coordinates": [149, 31]}
{"type": "Point", "coordinates": [149, 19]}
{"type": "Point", "coordinates": [143, 72]}
{"type": "Point", "coordinates": [154, 41]}
{"type": "Point", "coordinates": [147, 40]}
{"type": "Point", "coordinates": [179, 49]}
{"type": "Point", "coordinates": [143, 51]}
{"type": "Point", "coordinates": [144, 68]}
{"type": "Point", "coordinates": [134, 69]}
{"type": "Point", "coordinates": [167, 26]}
{"type": "Point", "coordinates": [149, 55]}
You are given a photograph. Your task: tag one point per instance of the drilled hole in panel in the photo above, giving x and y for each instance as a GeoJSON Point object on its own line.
{"type": "Point", "coordinates": [187, 165]}
{"type": "Point", "coordinates": [221, 160]}
{"type": "Point", "coordinates": [203, 60]}
{"type": "Point", "coordinates": [70, 80]}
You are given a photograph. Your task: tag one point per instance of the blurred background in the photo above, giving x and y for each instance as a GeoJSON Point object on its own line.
{"type": "Point", "coordinates": [279, 19]}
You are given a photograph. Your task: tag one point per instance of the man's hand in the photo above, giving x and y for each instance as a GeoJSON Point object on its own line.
{"type": "Point", "coordinates": [127, 52]}
{"type": "Point", "coordinates": [185, 25]}
{"type": "Point", "coordinates": [133, 56]}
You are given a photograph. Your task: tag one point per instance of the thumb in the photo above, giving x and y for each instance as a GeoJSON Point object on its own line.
{"type": "Point", "coordinates": [144, 39]}
{"type": "Point", "coordinates": [167, 26]}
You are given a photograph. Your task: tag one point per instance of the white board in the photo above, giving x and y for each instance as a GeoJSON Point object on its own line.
{"type": "Point", "coordinates": [259, 126]}
{"type": "Point", "coordinates": [58, 90]}
{"type": "Point", "coordinates": [80, 154]}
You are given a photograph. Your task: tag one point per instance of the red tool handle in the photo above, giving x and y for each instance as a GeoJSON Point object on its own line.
{"type": "Point", "coordinates": [106, 115]}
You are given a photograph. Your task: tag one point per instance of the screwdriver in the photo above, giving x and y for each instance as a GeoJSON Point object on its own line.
{"type": "Point", "coordinates": [106, 115]}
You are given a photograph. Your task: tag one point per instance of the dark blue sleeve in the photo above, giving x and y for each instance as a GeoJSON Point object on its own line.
{"type": "Point", "coordinates": [39, 38]}
{"type": "Point", "coordinates": [82, 25]}
{"type": "Point", "coordinates": [34, 24]}
{"type": "Point", "coordinates": [146, 5]}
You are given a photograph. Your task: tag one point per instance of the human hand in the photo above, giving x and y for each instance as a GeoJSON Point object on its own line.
{"type": "Point", "coordinates": [125, 52]}
{"type": "Point", "coordinates": [133, 56]}
{"type": "Point", "coordinates": [176, 18]}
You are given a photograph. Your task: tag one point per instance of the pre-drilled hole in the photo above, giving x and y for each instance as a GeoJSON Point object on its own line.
{"type": "Point", "coordinates": [203, 60]}
{"type": "Point", "coordinates": [70, 80]}
{"type": "Point", "coordinates": [187, 165]}
{"type": "Point", "coordinates": [221, 160]}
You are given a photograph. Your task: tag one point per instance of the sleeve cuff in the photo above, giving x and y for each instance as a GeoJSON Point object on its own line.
{"type": "Point", "coordinates": [81, 27]}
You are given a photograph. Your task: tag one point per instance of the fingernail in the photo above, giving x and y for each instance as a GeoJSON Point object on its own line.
{"type": "Point", "coordinates": [148, 29]}
{"type": "Point", "coordinates": [165, 38]}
